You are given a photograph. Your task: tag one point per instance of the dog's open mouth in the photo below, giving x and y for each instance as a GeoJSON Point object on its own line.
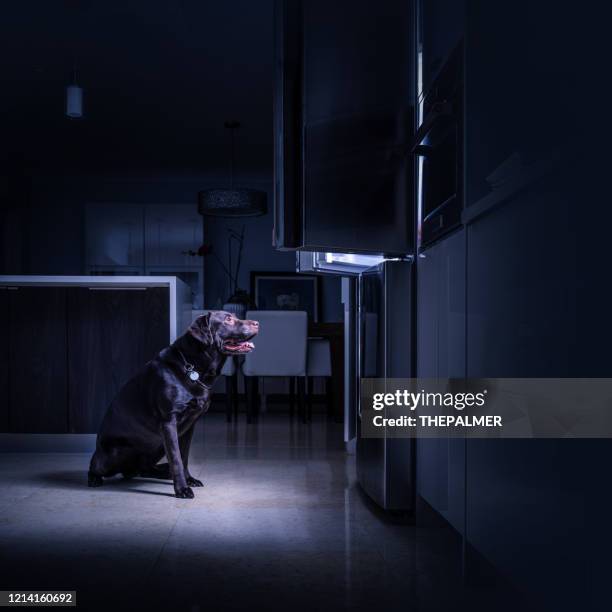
{"type": "Point", "coordinates": [238, 346]}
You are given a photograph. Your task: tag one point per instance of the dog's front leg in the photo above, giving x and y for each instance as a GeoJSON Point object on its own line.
{"type": "Point", "coordinates": [173, 453]}
{"type": "Point", "coordinates": [184, 445]}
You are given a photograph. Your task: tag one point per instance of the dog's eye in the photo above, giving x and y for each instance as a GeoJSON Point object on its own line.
{"type": "Point", "coordinates": [228, 318]}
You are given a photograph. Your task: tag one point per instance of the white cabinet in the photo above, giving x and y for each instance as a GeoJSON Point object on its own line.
{"type": "Point", "coordinates": [114, 235]}
{"type": "Point", "coordinates": [145, 239]}
{"type": "Point", "coordinates": [170, 231]}
{"type": "Point", "coordinates": [441, 353]}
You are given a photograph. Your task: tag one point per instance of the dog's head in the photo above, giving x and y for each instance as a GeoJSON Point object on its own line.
{"type": "Point", "coordinates": [225, 331]}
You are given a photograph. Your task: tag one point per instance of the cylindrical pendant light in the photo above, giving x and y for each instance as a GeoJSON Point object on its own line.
{"type": "Point", "coordinates": [74, 101]}
{"type": "Point", "coordinates": [74, 97]}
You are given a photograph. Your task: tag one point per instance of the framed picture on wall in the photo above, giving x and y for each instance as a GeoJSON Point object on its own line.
{"type": "Point", "coordinates": [287, 291]}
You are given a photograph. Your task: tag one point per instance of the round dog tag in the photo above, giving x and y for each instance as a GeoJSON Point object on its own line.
{"type": "Point", "coordinates": [194, 375]}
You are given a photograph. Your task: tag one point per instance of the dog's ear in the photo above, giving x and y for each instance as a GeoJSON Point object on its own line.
{"type": "Point", "coordinates": [200, 329]}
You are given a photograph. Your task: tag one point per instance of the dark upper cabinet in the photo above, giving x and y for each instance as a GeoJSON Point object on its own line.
{"type": "Point", "coordinates": [37, 360]}
{"type": "Point", "coordinates": [351, 117]}
{"type": "Point", "coordinates": [112, 333]}
{"type": "Point", "coordinates": [519, 67]}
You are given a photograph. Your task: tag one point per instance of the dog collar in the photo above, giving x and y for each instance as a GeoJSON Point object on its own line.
{"type": "Point", "coordinates": [192, 373]}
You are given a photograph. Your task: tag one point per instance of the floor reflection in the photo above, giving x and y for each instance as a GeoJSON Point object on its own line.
{"type": "Point", "coordinates": [280, 523]}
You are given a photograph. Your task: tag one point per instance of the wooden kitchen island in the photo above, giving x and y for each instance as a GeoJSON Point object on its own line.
{"type": "Point", "coordinates": [70, 342]}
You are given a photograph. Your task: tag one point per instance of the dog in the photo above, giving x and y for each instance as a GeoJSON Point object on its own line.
{"type": "Point", "coordinates": [154, 413]}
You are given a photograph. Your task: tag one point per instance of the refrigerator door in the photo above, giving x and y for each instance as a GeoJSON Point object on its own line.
{"type": "Point", "coordinates": [385, 467]}
{"type": "Point", "coordinates": [287, 118]}
{"type": "Point", "coordinates": [358, 126]}
{"type": "Point", "coordinates": [343, 126]}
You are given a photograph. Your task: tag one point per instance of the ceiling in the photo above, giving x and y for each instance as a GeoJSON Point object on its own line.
{"type": "Point", "coordinates": [160, 77]}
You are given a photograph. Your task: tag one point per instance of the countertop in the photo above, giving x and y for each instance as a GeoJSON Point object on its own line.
{"type": "Point", "coordinates": [89, 281]}
{"type": "Point", "coordinates": [179, 292]}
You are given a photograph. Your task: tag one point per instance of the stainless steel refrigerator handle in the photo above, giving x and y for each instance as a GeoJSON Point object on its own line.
{"type": "Point", "coordinates": [361, 319]}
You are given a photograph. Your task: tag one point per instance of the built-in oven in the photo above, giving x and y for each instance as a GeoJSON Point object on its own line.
{"type": "Point", "coordinates": [439, 147]}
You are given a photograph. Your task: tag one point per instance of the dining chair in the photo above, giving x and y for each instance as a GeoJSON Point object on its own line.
{"type": "Point", "coordinates": [280, 351]}
{"type": "Point", "coordinates": [319, 364]}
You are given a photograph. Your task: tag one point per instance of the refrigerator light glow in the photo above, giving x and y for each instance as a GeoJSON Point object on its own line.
{"type": "Point", "coordinates": [353, 259]}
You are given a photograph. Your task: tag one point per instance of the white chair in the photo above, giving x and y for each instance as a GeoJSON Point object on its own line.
{"type": "Point", "coordinates": [280, 351]}
{"type": "Point", "coordinates": [319, 364]}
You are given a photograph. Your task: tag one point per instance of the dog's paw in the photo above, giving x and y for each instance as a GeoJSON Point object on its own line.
{"type": "Point", "coordinates": [184, 493]}
{"type": "Point", "coordinates": [194, 482]}
{"type": "Point", "coordinates": [94, 481]}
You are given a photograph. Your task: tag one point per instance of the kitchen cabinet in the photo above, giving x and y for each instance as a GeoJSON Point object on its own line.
{"type": "Point", "coordinates": [137, 236]}
{"type": "Point", "coordinates": [112, 333]}
{"type": "Point", "coordinates": [171, 231]}
{"type": "Point", "coordinates": [516, 117]}
{"type": "Point", "coordinates": [74, 341]}
{"type": "Point", "coordinates": [146, 240]}
{"type": "Point", "coordinates": [441, 318]}
{"type": "Point", "coordinates": [523, 317]}
{"type": "Point", "coordinates": [350, 127]}
{"type": "Point", "coordinates": [114, 235]}
{"type": "Point", "coordinates": [523, 322]}
{"type": "Point", "coordinates": [441, 308]}
{"type": "Point", "coordinates": [37, 360]}
{"type": "Point", "coordinates": [192, 277]}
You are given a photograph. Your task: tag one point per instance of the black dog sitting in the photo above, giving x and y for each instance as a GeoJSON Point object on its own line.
{"type": "Point", "coordinates": [154, 413]}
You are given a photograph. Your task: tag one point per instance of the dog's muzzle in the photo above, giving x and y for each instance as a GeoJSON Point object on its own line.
{"type": "Point", "coordinates": [242, 345]}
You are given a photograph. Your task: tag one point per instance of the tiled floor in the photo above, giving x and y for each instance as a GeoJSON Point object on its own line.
{"type": "Point", "coordinates": [280, 524]}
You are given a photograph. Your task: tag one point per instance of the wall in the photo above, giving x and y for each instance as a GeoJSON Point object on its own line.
{"type": "Point", "coordinates": [52, 221]}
